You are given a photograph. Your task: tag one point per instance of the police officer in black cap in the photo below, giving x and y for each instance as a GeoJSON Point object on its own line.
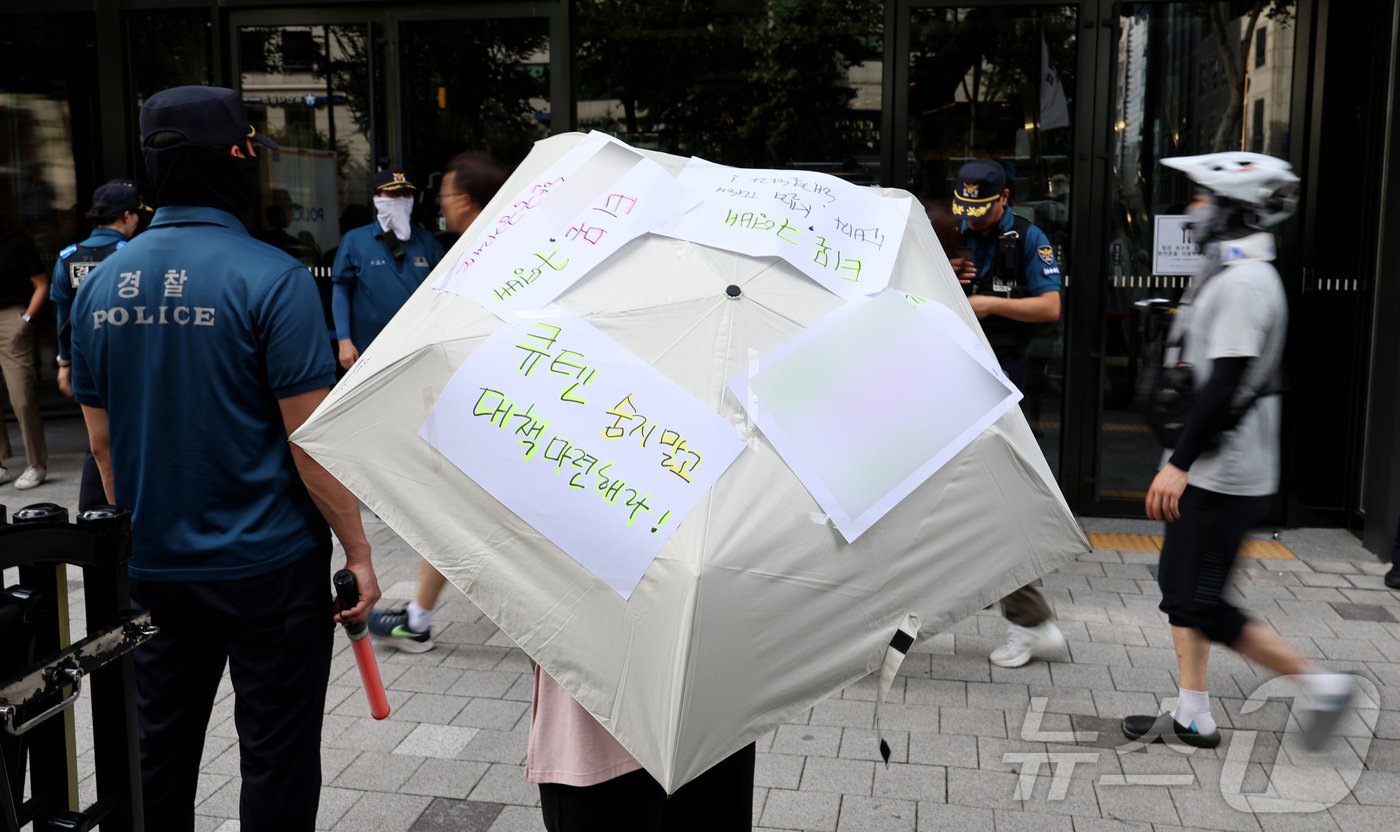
{"type": "Point", "coordinates": [378, 266]}
{"type": "Point", "coordinates": [116, 213]}
{"type": "Point", "coordinates": [196, 351]}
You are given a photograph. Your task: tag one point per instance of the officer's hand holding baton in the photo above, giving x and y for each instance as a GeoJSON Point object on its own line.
{"type": "Point", "coordinates": [348, 596]}
{"type": "Point", "coordinates": [368, 586]}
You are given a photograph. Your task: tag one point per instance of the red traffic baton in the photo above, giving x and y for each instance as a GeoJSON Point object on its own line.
{"type": "Point", "coordinates": [348, 592]}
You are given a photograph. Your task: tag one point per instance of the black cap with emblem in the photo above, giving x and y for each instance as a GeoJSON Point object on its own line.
{"type": "Point", "coordinates": [979, 185]}
{"type": "Point", "coordinates": [392, 182]}
{"type": "Point", "coordinates": [211, 117]}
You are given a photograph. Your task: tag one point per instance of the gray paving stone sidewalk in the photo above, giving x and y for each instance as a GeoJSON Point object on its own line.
{"type": "Point", "coordinates": [962, 731]}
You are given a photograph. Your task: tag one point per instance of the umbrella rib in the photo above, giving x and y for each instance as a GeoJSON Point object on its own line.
{"type": "Point", "coordinates": [776, 313]}
{"type": "Point", "coordinates": [682, 703]}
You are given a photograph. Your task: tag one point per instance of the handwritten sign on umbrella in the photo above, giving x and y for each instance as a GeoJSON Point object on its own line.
{"type": "Point", "coordinates": [599, 452]}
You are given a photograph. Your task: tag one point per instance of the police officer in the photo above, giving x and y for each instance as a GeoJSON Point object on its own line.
{"type": "Point", "coordinates": [468, 184]}
{"type": "Point", "coordinates": [24, 287]}
{"type": "Point", "coordinates": [379, 266]}
{"type": "Point", "coordinates": [1013, 283]}
{"type": "Point", "coordinates": [196, 352]}
{"type": "Point", "coordinates": [1218, 479]}
{"type": "Point", "coordinates": [116, 214]}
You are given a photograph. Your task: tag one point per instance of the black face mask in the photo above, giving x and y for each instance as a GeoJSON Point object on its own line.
{"type": "Point", "coordinates": [187, 174]}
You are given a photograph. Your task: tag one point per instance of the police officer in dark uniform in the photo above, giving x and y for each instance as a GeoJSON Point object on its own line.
{"type": "Point", "coordinates": [196, 352]}
{"type": "Point", "coordinates": [378, 266]}
{"type": "Point", "coordinates": [116, 214]}
{"type": "Point", "coordinates": [1013, 283]}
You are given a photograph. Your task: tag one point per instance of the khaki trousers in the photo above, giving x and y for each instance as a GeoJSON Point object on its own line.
{"type": "Point", "coordinates": [17, 365]}
{"type": "Point", "coordinates": [1026, 607]}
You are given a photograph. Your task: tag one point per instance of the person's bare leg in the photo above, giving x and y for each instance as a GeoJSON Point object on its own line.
{"type": "Point", "coordinates": [1192, 657]}
{"type": "Point", "coordinates": [1263, 645]}
{"type": "Point", "coordinates": [1193, 663]}
{"type": "Point", "coordinates": [430, 584]}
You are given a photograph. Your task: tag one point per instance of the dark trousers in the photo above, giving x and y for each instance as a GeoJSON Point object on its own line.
{"type": "Point", "coordinates": [720, 800]}
{"type": "Point", "coordinates": [1197, 555]}
{"type": "Point", "coordinates": [1025, 607]}
{"type": "Point", "coordinates": [90, 493]}
{"type": "Point", "coordinates": [275, 632]}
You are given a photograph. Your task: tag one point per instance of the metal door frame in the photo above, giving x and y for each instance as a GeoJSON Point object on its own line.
{"type": "Point", "coordinates": [1088, 177]}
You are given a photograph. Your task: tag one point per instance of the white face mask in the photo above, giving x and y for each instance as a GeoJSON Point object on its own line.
{"type": "Point", "coordinates": [394, 212]}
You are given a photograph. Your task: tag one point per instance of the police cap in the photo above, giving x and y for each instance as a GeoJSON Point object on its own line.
{"type": "Point", "coordinates": [117, 197]}
{"type": "Point", "coordinates": [980, 184]}
{"type": "Point", "coordinates": [211, 117]}
{"type": "Point", "coordinates": [392, 181]}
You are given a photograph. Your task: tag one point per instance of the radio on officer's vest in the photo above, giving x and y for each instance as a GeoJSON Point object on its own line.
{"type": "Point", "coordinates": [1007, 276]}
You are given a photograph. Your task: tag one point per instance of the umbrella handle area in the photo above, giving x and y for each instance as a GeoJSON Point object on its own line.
{"type": "Point", "coordinates": [904, 638]}
{"type": "Point", "coordinates": [348, 593]}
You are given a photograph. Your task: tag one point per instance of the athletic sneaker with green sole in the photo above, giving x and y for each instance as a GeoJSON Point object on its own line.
{"type": "Point", "coordinates": [391, 627]}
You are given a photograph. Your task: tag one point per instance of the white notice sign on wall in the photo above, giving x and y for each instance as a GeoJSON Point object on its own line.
{"type": "Point", "coordinates": [1173, 252]}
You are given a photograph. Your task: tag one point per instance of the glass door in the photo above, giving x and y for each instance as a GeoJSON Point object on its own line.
{"type": "Point", "coordinates": [472, 85]}
{"type": "Point", "coordinates": [1188, 78]}
{"type": "Point", "coordinates": [1000, 82]}
{"type": "Point", "coordinates": [313, 88]}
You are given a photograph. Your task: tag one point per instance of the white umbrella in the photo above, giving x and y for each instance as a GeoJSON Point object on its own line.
{"type": "Point", "coordinates": [756, 607]}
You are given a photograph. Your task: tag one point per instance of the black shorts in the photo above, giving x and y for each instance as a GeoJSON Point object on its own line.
{"type": "Point", "coordinates": [1197, 557]}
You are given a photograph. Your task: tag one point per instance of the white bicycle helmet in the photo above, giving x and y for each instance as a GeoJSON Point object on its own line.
{"type": "Point", "coordinates": [1264, 186]}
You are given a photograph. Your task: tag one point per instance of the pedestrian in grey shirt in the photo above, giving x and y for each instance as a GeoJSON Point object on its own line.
{"type": "Point", "coordinates": [1218, 479]}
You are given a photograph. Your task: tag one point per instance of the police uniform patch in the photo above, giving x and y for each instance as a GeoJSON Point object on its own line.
{"type": "Point", "coordinates": [78, 272]}
{"type": "Point", "coordinates": [421, 262]}
{"type": "Point", "coordinates": [63, 255]}
{"type": "Point", "coordinates": [1047, 254]}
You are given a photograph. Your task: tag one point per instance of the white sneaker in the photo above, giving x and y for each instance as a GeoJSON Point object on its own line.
{"type": "Point", "coordinates": [1025, 643]}
{"type": "Point", "coordinates": [4, 475]}
{"type": "Point", "coordinates": [32, 476]}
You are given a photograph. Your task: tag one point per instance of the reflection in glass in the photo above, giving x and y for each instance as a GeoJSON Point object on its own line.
{"type": "Point", "coordinates": [312, 89]}
{"type": "Point", "coordinates": [48, 108]}
{"type": "Point", "coordinates": [473, 85]}
{"type": "Point", "coordinates": [999, 83]}
{"type": "Point", "coordinates": [183, 57]}
{"type": "Point", "coordinates": [1189, 80]}
{"type": "Point", "coordinates": [772, 84]}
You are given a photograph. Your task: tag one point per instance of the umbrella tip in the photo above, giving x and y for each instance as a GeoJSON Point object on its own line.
{"type": "Point", "coordinates": [733, 291]}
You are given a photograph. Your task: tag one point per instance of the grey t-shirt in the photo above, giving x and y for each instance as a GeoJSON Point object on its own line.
{"type": "Point", "coordinates": [1241, 312]}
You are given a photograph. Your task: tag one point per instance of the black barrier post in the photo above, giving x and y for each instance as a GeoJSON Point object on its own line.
{"type": "Point", "coordinates": [40, 682]}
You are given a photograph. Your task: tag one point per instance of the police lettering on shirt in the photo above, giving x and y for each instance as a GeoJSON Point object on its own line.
{"type": "Point", "coordinates": [173, 287]}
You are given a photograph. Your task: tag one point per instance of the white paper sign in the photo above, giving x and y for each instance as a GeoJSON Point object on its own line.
{"type": "Point", "coordinates": [843, 236]}
{"type": "Point", "coordinates": [1173, 252]}
{"type": "Point", "coordinates": [596, 450]}
{"type": "Point", "coordinates": [595, 199]}
{"type": "Point", "coordinates": [867, 404]}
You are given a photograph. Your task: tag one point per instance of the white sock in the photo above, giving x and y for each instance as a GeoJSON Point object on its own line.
{"type": "Point", "coordinates": [1321, 684]}
{"type": "Point", "coordinates": [1193, 707]}
{"type": "Point", "coordinates": [419, 619]}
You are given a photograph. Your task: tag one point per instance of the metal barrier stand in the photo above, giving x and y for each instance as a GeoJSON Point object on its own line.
{"type": "Point", "coordinates": [41, 675]}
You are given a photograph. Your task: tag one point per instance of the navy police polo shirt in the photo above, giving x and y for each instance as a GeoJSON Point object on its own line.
{"type": "Point", "coordinates": [187, 337]}
{"type": "Point", "coordinates": [1038, 266]}
{"type": "Point", "coordinates": [382, 284]}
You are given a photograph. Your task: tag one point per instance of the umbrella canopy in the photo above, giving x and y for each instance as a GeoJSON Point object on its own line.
{"type": "Point", "coordinates": [756, 607]}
